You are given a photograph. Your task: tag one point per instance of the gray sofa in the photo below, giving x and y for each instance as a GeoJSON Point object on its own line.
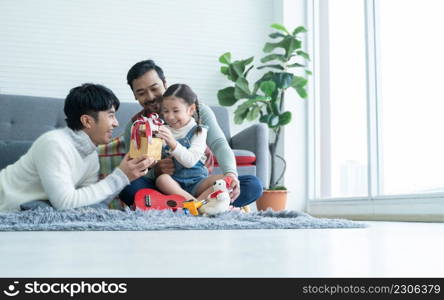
{"type": "Point", "coordinates": [24, 118]}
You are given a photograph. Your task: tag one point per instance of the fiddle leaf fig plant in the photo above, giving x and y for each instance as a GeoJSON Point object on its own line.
{"type": "Point", "coordinates": [264, 98]}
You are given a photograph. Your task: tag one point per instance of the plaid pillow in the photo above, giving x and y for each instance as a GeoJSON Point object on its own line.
{"type": "Point", "coordinates": [110, 156]}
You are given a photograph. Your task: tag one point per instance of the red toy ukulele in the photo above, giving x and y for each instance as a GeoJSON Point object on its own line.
{"type": "Point", "coordinates": [151, 199]}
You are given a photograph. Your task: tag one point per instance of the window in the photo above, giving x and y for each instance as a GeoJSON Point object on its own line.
{"type": "Point", "coordinates": [377, 114]}
{"type": "Point", "coordinates": [412, 97]}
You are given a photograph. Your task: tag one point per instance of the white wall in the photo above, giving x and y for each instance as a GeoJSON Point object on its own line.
{"type": "Point", "coordinates": [294, 147]}
{"type": "Point", "coordinates": [50, 46]}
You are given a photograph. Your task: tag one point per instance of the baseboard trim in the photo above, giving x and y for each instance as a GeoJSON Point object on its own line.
{"type": "Point", "coordinates": [410, 210]}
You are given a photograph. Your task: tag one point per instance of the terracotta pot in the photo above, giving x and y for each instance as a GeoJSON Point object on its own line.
{"type": "Point", "coordinates": [274, 199]}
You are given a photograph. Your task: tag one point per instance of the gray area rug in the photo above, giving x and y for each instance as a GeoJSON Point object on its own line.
{"type": "Point", "coordinates": [93, 219]}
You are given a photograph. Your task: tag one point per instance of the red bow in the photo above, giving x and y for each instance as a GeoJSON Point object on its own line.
{"type": "Point", "coordinates": [153, 119]}
{"type": "Point", "coordinates": [228, 181]}
{"type": "Point", "coordinates": [214, 195]}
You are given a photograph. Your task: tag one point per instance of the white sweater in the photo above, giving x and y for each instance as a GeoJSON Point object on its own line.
{"type": "Point", "coordinates": [189, 157]}
{"type": "Point", "coordinates": [61, 166]}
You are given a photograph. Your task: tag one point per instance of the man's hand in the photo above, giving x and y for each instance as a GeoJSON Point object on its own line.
{"type": "Point", "coordinates": [135, 168]}
{"type": "Point", "coordinates": [235, 186]}
{"type": "Point", "coordinates": [165, 166]}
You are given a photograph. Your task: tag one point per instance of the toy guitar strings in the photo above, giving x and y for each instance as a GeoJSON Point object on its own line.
{"type": "Point", "coordinates": [146, 199]}
{"type": "Point", "coordinates": [217, 202]}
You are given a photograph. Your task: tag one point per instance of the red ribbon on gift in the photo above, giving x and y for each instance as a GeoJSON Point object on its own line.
{"type": "Point", "coordinates": [152, 121]}
{"type": "Point", "coordinates": [155, 119]}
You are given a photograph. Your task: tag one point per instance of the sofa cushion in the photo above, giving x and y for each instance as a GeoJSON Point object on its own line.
{"type": "Point", "coordinates": [11, 151]}
{"type": "Point", "coordinates": [110, 155]}
{"type": "Point", "coordinates": [243, 158]}
{"type": "Point", "coordinates": [241, 170]}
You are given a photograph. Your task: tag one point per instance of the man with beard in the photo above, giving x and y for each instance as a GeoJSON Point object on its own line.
{"type": "Point", "coordinates": [148, 83]}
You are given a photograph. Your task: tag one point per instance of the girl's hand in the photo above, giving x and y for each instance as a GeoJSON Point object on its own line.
{"type": "Point", "coordinates": [165, 134]}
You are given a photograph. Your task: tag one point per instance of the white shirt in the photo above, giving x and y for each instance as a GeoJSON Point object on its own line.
{"type": "Point", "coordinates": [189, 157]}
{"type": "Point", "coordinates": [61, 166]}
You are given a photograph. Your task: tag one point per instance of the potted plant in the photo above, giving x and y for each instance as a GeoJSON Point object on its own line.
{"type": "Point", "coordinates": [264, 98]}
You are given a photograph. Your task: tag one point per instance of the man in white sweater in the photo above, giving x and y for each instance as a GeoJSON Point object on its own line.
{"type": "Point", "coordinates": [62, 165]}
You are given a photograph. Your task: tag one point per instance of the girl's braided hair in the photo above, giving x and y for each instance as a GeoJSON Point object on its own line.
{"type": "Point", "coordinates": [183, 91]}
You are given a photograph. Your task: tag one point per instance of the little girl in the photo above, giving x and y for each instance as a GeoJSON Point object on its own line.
{"type": "Point", "coordinates": [185, 140]}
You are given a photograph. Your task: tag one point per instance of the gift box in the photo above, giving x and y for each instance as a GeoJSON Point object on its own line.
{"type": "Point", "coordinates": [143, 141]}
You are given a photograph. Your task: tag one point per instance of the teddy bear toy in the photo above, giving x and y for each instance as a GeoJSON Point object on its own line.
{"type": "Point", "coordinates": [219, 200]}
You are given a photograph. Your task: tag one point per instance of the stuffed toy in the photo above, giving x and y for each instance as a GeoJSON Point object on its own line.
{"type": "Point", "coordinates": [219, 200]}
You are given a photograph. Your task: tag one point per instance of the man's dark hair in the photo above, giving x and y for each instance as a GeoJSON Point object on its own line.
{"type": "Point", "coordinates": [88, 99]}
{"type": "Point", "coordinates": [140, 68]}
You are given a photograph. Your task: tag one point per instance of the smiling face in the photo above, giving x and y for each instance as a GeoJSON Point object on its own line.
{"type": "Point", "coordinates": [148, 90]}
{"type": "Point", "coordinates": [101, 130]}
{"type": "Point", "coordinates": [176, 112]}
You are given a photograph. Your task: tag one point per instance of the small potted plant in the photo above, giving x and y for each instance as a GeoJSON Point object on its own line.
{"type": "Point", "coordinates": [264, 99]}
